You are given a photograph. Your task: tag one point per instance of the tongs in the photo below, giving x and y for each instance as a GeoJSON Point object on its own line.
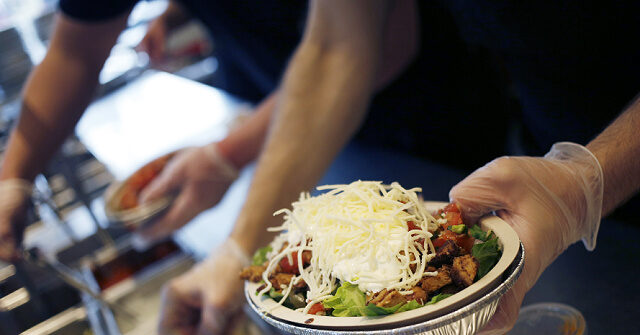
{"type": "Point", "coordinates": [69, 276]}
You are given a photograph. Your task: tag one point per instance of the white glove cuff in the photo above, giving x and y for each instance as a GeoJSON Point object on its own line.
{"type": "Point", "coordinates": [228, 171]}
{"type": "Point", "coordinates": [231, 246]}
{"type": "Point", "coordinates": [589, 172]}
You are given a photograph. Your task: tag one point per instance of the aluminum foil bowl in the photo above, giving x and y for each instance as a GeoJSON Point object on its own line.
{"type": "Point", "coordinates": [121, 198]}
{"type": "Point", "coordinates": [466, 320]}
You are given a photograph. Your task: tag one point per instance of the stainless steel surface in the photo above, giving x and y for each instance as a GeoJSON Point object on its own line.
{"type": "Point", "coordinates": [464, 321]}
{"type": "Point", "coordinates": [142, 293]}
{"type": "Point", "coordinates": [69, 277]}
{"type": "Point", "coordinates": [71, 321]}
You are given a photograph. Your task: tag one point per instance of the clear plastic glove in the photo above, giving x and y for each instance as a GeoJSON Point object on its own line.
{"type": "Point", "coordinates": [204, 299]}
{"type": "Point", "coordinates": [199, 176]}
{"type": "Point", "coordinates": [551, 202]}
{"type": "Point", "coordinates": [14, 196]}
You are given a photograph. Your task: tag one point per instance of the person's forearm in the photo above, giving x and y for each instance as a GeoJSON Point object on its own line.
{"type": "Point", "coordinates": [243, 144]}
{"type": "Point", "coordinates": [617, 149]}
{"type": "Point", "coordinates": [323, 100]}
{"type": "Point", "coordinates": [56, 94]}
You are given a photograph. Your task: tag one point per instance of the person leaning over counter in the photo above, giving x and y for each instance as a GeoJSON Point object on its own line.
{"type": "Point", "coordinates": [551, 201]}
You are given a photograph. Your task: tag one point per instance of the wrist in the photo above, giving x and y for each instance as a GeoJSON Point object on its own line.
{"type": "Point", "coordinates": [589, 181]}
{"type": "Point", "coordinates": [228, 169]}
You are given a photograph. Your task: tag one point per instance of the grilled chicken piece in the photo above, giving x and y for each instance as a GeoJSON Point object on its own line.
{"type": "Point", "coordinates": [386, 298]}
{"type": "Point", "coordinates": [434, 283]}
{"type": "Point", "coordinates": [418, 294]}
{"type": "Point", "coordinates": [282, 280]}
{"type": "Point", "coordinates": [253, 273]}
{"type": "Point", "coordinates": [306, 257]}
{"type": "Point", "coordinates": [445, 254]}
{"type": "Point", "coordinates": [464, 270]}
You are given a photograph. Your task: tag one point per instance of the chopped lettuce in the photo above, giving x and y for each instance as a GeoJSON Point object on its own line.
{"type": "Point", "coordinates": [350, 301]}
{"type": "Point", "coordinates": [476, 232]}
{"type": "Point", "coordinates": [275, 295]}
{"type": "Point", "coordinates": [401, 307]}
{"type": "Point", "coordinates": [413, 304]}
{"type": "Point", "coordinates": [377, 310]}
{"type": "Point", "coordinates": [487, 254]}
{"type": "Point", "coordinates": [260, 257]}
{"type": "Point", "coordinates": [438, 297]}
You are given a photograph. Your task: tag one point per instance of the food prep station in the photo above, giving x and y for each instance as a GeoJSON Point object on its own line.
{"type": "Point", "coordinates": [35, 301]}
{"type": "Point", "coordinates": [109, 144]}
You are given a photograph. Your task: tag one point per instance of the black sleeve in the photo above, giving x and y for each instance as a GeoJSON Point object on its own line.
{"type": "Point", "coordinates": [95, 10]}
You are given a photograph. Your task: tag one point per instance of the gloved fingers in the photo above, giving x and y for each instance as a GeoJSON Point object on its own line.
{"type": "Point", "coordinates": [170, 179]}
{"type": "Point", "coordinates": [180, 312]}
{"type": "Point", "coordinates": [507, 311]}
{"type": "Point", "coordinates": [213, 320]}
{"type": "Point", "coordinates": [14, 195]}
{"type": "Point", "coordinates": [180, 212]}
{"type": "Point", "coordinates": [485, 190]}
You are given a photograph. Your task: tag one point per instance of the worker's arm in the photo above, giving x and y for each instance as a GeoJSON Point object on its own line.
{"type": "Point", "coordinates": [324, 96]}
{"type": "Point", "coordinates": [57, 92]}
{"type": "Point", "coordinates": [618, 151]}
{"type": "Point", "coordinates": [555, 200]}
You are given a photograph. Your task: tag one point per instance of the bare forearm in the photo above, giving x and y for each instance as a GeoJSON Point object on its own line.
{"type": "Point", "coordinates": [56, 94]}
{"type": "Point", "coordinates": [618, 151]}
{"type": "Point", "coordinates": [43, 126]}
{"type": "Point", "coordinates": [244, 144]}
{"type": "Point", "coordinates": [306, 135]}
{"type": "Point", "coordinates": [324, 97]}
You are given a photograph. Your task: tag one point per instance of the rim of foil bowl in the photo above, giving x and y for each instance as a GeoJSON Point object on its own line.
{"type": "Point", "coordinates": [466, 315]}
{"type": "Point", "coordinates": [141, 214]}
{"type": "Point", "coordinates": [133, 217]}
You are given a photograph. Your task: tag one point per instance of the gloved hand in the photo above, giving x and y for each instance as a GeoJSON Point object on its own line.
{"type": "Point", "coordinates": [199, 176]}
{"type": "Point", "coordinates": [202, 300]}
{"type": "Point", "coordinates": [14, 196]}
{"type": "Point", "coordinates": [551, 202]}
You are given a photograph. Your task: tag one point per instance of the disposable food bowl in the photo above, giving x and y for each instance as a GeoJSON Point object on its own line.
{"type": "Point", "coordinates": [463, 313]}
{"type": "Point", "coordinates": [122, 205]}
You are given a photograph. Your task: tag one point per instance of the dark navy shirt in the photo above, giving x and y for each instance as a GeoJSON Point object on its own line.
{"type": "Point", "coordinates": [562, 69]}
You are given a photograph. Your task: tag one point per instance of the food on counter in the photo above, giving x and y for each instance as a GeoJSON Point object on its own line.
{"type": "Point", "coordinates": [139, 180]}
{"type": "Point", "coordinates": [125, 265]}
{"type": "Point", "coordinates": [367, 249]}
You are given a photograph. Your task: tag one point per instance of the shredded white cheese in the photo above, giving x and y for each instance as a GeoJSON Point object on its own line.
{"type": "Point", "coordinates": [356, 233]}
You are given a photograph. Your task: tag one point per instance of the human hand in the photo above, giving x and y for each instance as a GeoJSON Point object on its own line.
{"type": "Point", "coordinates": [14, 196]}
{"type": "Point", "coordinates": [203, 300]}
{"type": "Point", "coordinates": [551, 202]}
{"type": "Point", "coordinates": [154, 41]}
{"type": "Point", "coordinates": [199, 176]}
